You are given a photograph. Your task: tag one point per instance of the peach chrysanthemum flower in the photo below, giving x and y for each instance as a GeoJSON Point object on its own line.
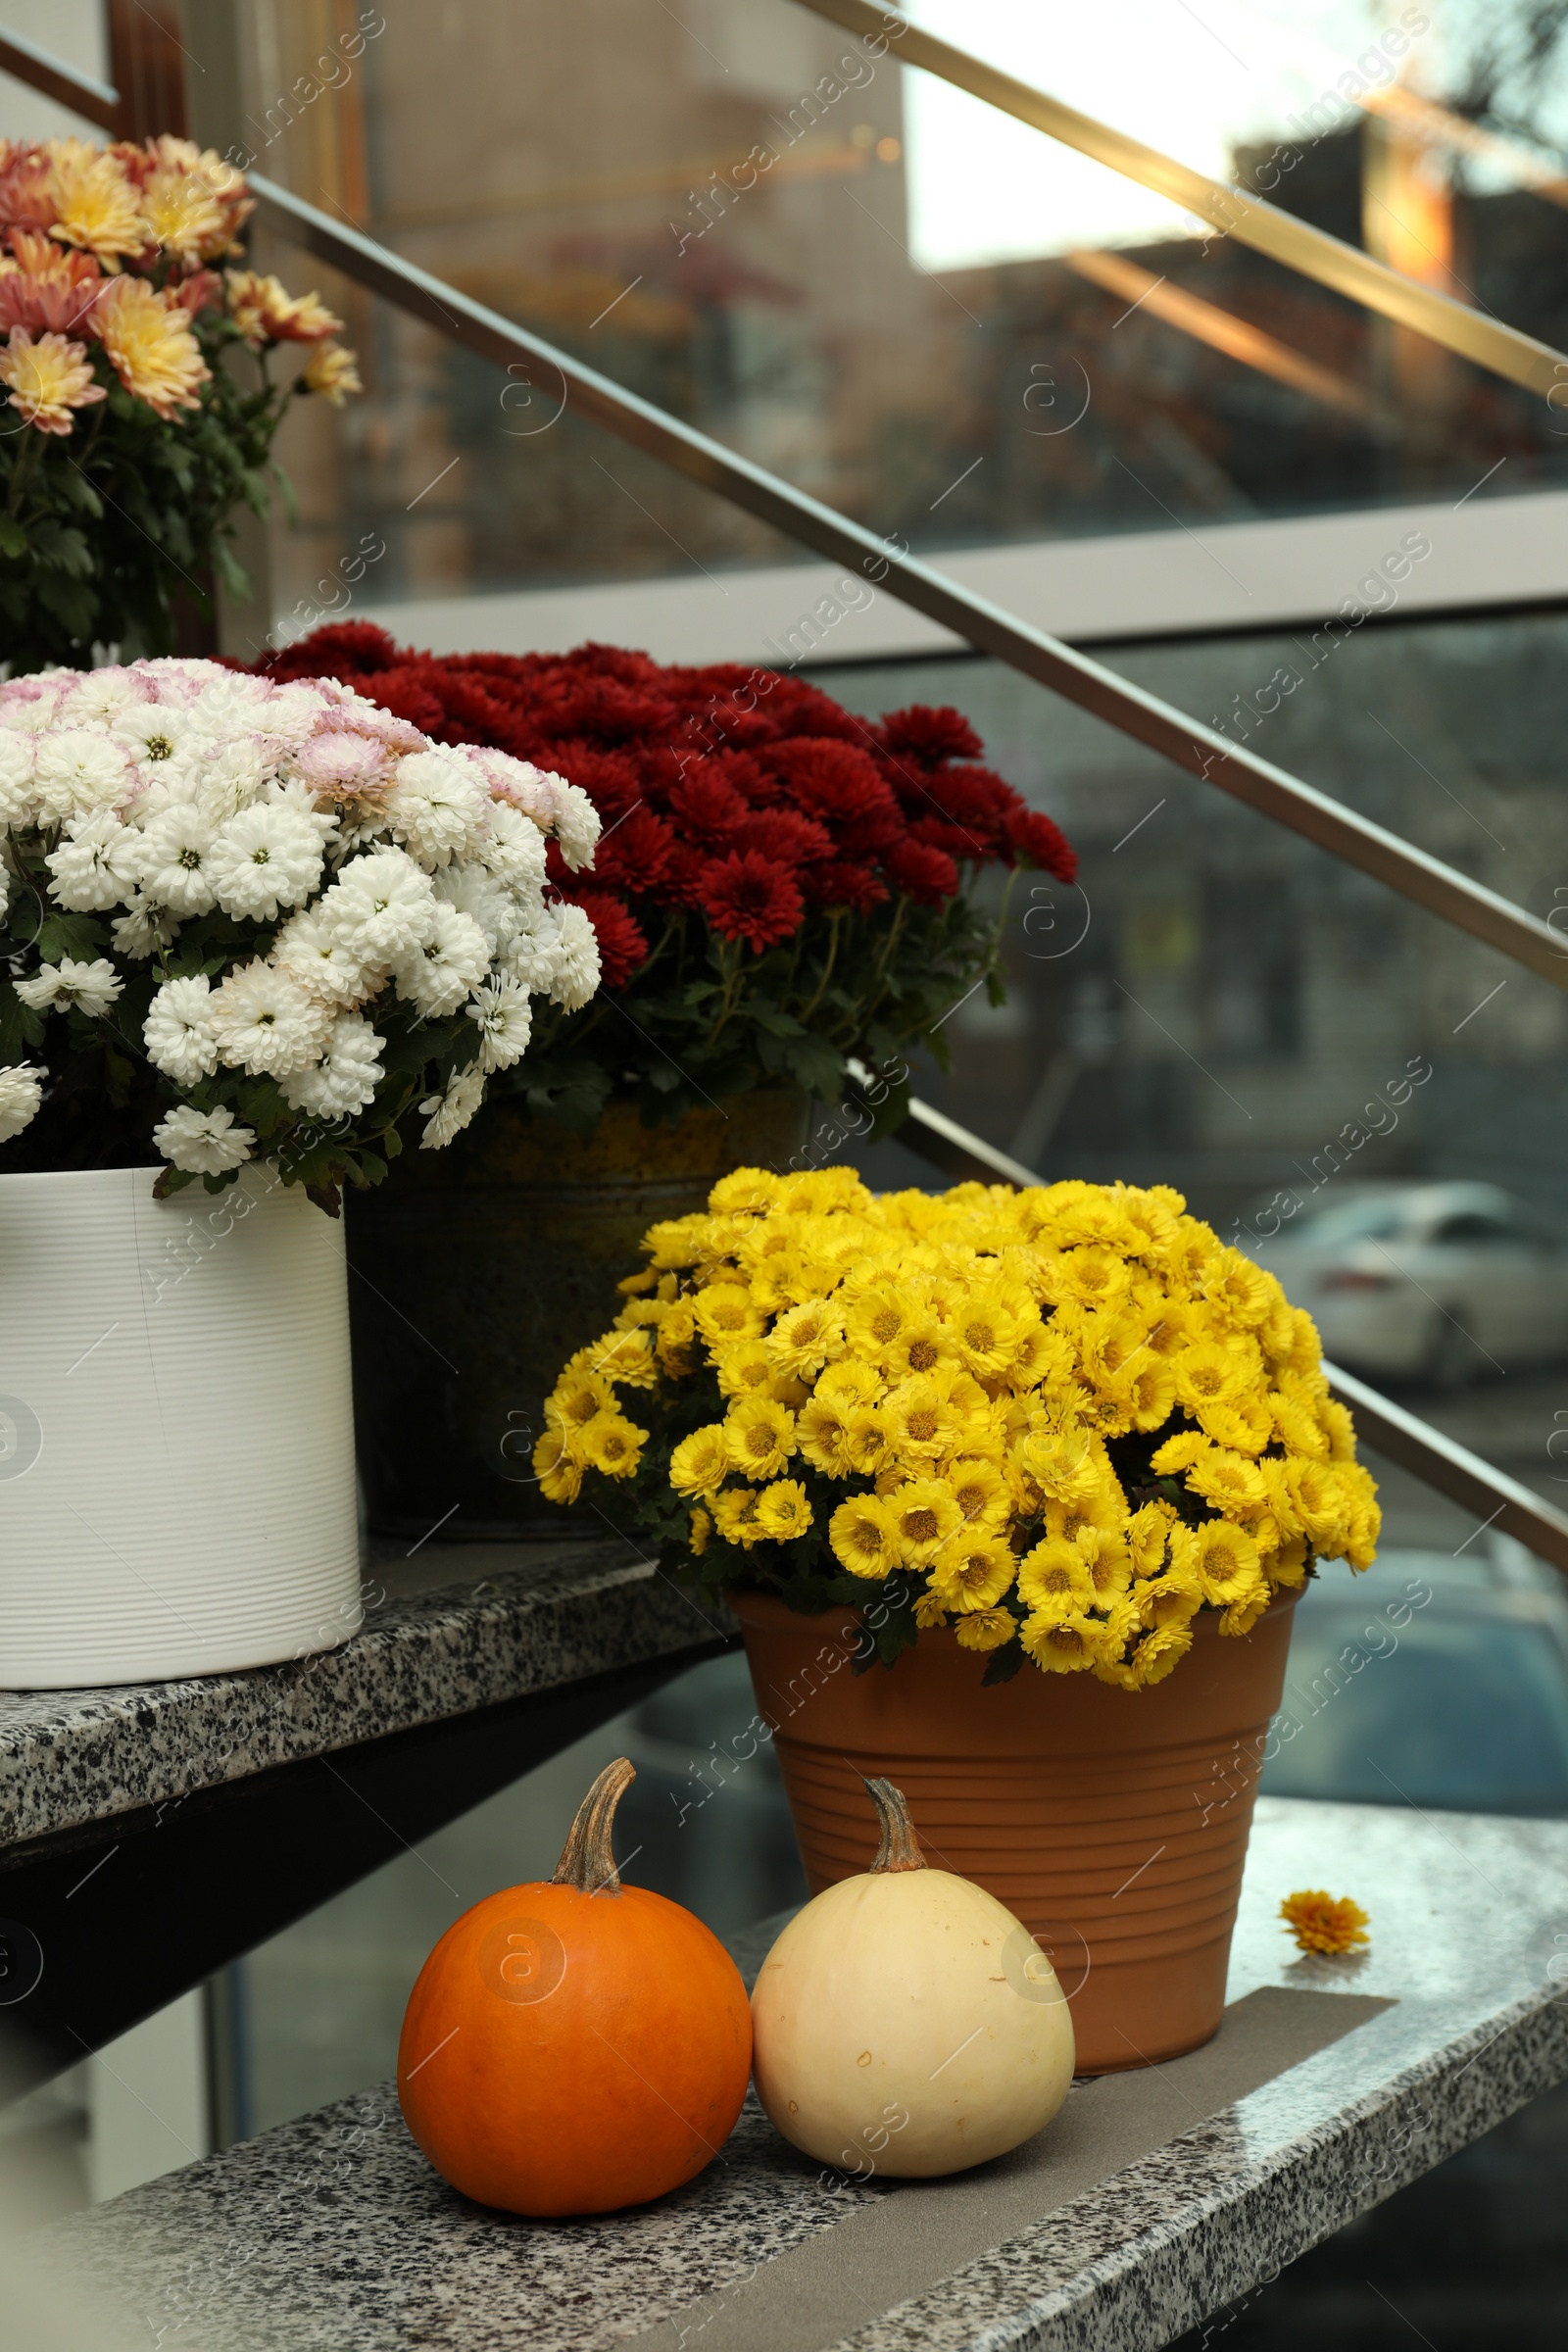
{"type": "Point", "coordinates": [152, 351]}
{"type": "Point", "coordinates": [44, 288]}
{"type": "Point", "coordinates": [333, 372]}
{"type": "Point", "coordinates": [49, 380]}
{"type": "Point", "coordinates": [1324, 1923]}
{"type": "Point", "coordinates": [265, 312]}
{"type": "Point", "coordinates": [183, 214]}
{"type": "Point", "coordinates": [96, 203]}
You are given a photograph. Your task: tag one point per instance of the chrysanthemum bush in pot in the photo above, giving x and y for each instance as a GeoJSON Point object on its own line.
{"type": "Point", "coordinates": [1013, 1494]}
{"type": "Point", "coordinates": [781, 887]}
{"type": "Point", "coordinates": [261, 935]}
{"type": "Point", "coordinates": [138, 373]}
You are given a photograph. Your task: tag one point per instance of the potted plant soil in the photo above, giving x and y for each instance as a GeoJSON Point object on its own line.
{"type": "Point", "coordinates": [254, 937]}
{"type": "Point", "coordinates": [1013, 1494]}
{"type": "Point", "coordinates": [780, 887]}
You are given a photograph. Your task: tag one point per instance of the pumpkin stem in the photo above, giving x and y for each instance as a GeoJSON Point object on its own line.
{"type": "Point", "coordinates": [900, 1848]}
{"type": "Point", "coordinates": [588, 1858]}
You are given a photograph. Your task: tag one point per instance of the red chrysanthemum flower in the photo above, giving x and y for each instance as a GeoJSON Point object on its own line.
{"type": "Point", "coordinates": [707, 807]}
{"type": "Point", "coordinates": [1031, 833]}
{"type": "Point", "coordinates": [836, 884]}
{"type": "Point", "coordinates": [622, 944]}
{"type": "Point", "coordinates": [833, 781]}
{"type": "Point", "coordinates": [922, 873]}
{"type": "Point", "coordinates": [634, 853]}
{"type": "Point", "coordinates": [749, 897]}
{"type": "Point", "coordinates": [780, 834]}
{"type": "Point", "coordinates": [930, 736]}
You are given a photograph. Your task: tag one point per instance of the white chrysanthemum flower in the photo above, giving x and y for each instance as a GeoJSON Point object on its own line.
{"type": "Point", "coordinates": [95, 865]}
{"type": "Point", "coordinates": [505, 1020]}
{"type": "Point", "coordinates": [21, 1092]}
{"type": "Point", "coordinates": [532, 949]}
{"type": "Point", "coordinates": [79, 770]}
{"type": "Point", "coordinates": [309, 951]}
{"type": "Point", "coordinates": [380, 907]}
{"type": "Point", "coordinates": [451, 965]}
{"type": "Point", "coordinates": [266, 1023]}
{"type": "Point", "coordinates": [230, 701]}
{"type": "Point", "coordinates": [178, 1030]}
{"type": "Point", "coordinates": [344, 765]}
{"type": "Point", "coordinates": [89, 988]}
{"type": "Point", "coordinates": [103, 695]}
{"type": "Point", "coordinates": [513, 847]}
{"type": "Point", "coordinates": [435, 806]}
{"type": "Point", "coordinates": [266, 857]}
{"type": "Point", "coordinates": [31, 705]}
{"type": "Point", "coordinates": [293, 713]}
{"type": "Point", "coordinates": [447, 1114]}
{"type": "Point", "coordinates": [151, 732]}
{"type": "Point", "coordinates": [226, 776]}
{"type": "Point", "coordinates": [143, 929]}
{"type": "Point", "coordinates": [478, 895]}
{"type": "Point", "coordinates": [203, 1142]}
{"type": "Point", "coordinates": [18, 799]}
{"type": "Point", "coordinates": [346, 1079]}
{"type": "Point", "coordinates": [558, 807]}
{"type": "Point", "coordinates": [576, 961]}
{"type": "Point", "coordinates": [175, 844]}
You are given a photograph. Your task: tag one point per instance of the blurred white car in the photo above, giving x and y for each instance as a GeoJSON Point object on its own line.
{"type": "Point", "coordinates": [1448, 1283]}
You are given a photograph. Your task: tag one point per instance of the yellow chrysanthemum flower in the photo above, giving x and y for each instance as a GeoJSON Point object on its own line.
{"type": "Point", "coordinates": [1160, 1653]}
{"type": "Point", "coordinates": [699, 1529]}
{"type": "Point", "coordinates": [983, 1629]}
{"type": "Point", "coordinates": [627, 1358]}
{"type": "Point", "coordinates": [1209, 1373]}
{"type": "Point", "coordinates": [1054, 1578]}
{"type": "Point", "coordinates": [929, 1612]}
{"type": "Point", "coordinates": [150, 346]}
{"type": "Point", "coordinates": [1323, 1923]}
{"type": "Point", "coordinates": [1061, 1463]}
{"type": "Point", "coordinates": [973, 1571]}
{"type": "Point", "coordinates": [559, 1476]}
{"type": "Point", "coordinates": [749, 1192]}
{"type": "Point", "coordinates": [981, 1492]}
{"type": "Point", "coordinates": [1093, 1275]}
{"type": "Point", "coordinates": [95, 202]}
{"type": "Point", "coordinates": [759, 1436]}
{"type": "Point", "coordinates": [804, 1339]}
{"type": "Point", "coordinates": [848, 1382]}
{"type": "Point", "coordinates": [735, 1516]}
{"type": "Point", "coordinates": [1178, 1453]}
{"type": "Point", "coordinates": [783, 1510]}
{"type": "Point", "coordinates": [611, 1444]}
{"type": "Point", "coordinates": [1068, 1644]}
{"type": "Point", "coordinates": [700, 1463]}
{"type": "Point", "coordinates": [1246, 1425]}
{"type": "Point", "coordinates": [1231, 1482]}
{"type": "Point", "coordinates": [726, 1313]}
{"type": "Point", "coordinates": [924, 1515]}
{"type": "Point", "coordinates": [1222, 1557]}
{"type": "Point", "coordinates": [985, 1331]}
{"type": "Point", "coordinates": [922, 1423]}
{"type": "Point", "coordinates": [1108, 1562]}
{"type": "Point", "coordinates": [923, 1346]}
{"type": "Point", "coordinates": [49, 380]}
{"type": "Point", "coordinates": [578, 1395]}
{"type": "Point", "coordinates": [864, 1536]}
{"type": "Point", "coordinates": [1242, 1613]}
{"type": "Point", "coordinates": [1147, 1533]}
{"type": "Point", "coordinates": [1170, 1599]}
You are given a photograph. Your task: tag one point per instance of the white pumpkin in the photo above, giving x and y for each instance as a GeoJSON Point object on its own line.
{"type": "Point", "coordinates": [905, 2022]}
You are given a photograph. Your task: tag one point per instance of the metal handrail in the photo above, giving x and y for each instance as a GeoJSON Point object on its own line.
{"type": "Point", "coordinates": [1232, 212]}
{"type": "Point", "coordinates": [1428, 1454]}
{"type": "Point", "coordinates": [1234, 770]}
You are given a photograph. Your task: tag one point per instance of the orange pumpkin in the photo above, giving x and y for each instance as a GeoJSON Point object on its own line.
{"type": "Point", "coordinates": [575, 2045]}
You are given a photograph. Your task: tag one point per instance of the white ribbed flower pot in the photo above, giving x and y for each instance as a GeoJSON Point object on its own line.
{"type": "Point", "coordinates": [176, 1436]}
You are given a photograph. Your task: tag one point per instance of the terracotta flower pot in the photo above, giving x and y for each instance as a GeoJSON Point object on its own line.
{"type": "Point", "coordinates": [479, 1269]}
{"type": "Point", "coordinates": [1113, 1823]}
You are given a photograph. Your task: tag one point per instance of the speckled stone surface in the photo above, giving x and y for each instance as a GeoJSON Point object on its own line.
{"type": "Point", "coordinates": [332, 2234]}
{"type": "Point", "coordinates": [459, 1627]}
